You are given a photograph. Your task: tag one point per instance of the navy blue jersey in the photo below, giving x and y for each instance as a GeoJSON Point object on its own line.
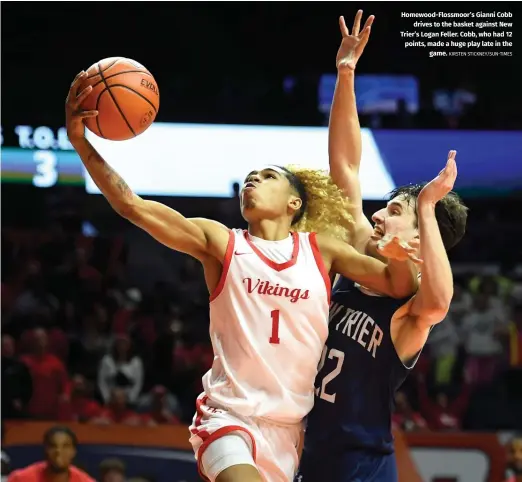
{"type": "Point", "coordinates": [358, 375]}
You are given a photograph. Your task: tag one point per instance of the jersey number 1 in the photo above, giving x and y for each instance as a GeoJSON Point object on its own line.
{"type": "Point", "coordinates": [274, 338]}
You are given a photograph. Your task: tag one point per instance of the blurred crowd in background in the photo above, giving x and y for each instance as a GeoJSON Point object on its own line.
{"type": "Point", "coordinates": [102, 325]}
{"type": "Point", "coordinates": [82, 342]}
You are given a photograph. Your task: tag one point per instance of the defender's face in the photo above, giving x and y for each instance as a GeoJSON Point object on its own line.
{"type": "Point", "coordinates": [267, 194]}
{"type": "Point", "coordinates": [398, 218]}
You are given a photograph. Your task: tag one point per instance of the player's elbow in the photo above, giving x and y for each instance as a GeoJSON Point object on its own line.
{"type": "Point", "coordinates": [431, 316]}
{"type": "Point", "coordinates": [440, 300]}
{"type": "Point", "coordinates": [433, 311]}
{"type": "Point", "coordinates": [130, 209]}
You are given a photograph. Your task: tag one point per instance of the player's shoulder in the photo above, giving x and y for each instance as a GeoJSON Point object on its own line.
{"type": "Point", "coordinates": [29, 473]}
{"type": "Point", "coordinates": [205, 223]}
{"type": "Point", "coordinates": [332, 246]}
{"type": "Point", "coordinates": [79, 475]}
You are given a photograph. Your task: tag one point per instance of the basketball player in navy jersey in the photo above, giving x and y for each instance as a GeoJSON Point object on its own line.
{"type": "Point", "coordinates": [348, 436]}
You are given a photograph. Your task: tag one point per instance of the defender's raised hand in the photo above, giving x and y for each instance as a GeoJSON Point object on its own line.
{"type": "Point", "coordinates": [436, 189]}
{"type": "Point", "coordinates": [352, 45]}
{"type": "Point", "coordinates": [74, 115]}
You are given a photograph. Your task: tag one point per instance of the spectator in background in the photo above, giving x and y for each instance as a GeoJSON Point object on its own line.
{"type": "Point", "coordinates": [404, 417]}
{"type": "Point", "coordinates": [489, 288]}
{"type": "Point", "coordinates": [112, 470]}
{"type": "Point", "coordinates": [481, 329]}
{"type": "Point", "coordinates": [443, 413]}
{"type": "Point", "coordinates": [461, 304]}
{"type": "Point", "coordinates": [60, 445]}
{"type": "Point", "coordinates": [160, 405]}
{"type": "Point", "coordinates": [35, 300]}
{"type": "Point", "coordinates": [17, 385]}
{"type": "Point", "coordinates": [118, 411]}
{"type": "Point", "coordinates": [514, 338]}
{"type": "Point", "coordinates": [444, 344]}
{"type": "Point", "coordinates": [498, 285]}
{"type": "Point", "coordinates": [84, 270]}
{"type": "Point", "coordinates": [514, 459]}
{"type": "Point", "coordinates": [81, 407]}
{"type": "Point", "coordinates": [93, 343]}
{"type": "Point", "coordinates": [121, 368]}
{"type": "Point", "coordinates": [49, 378]}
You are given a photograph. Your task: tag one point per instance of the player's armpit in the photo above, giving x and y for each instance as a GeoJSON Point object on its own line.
{"type": "Point", "coordinates": [343, 259]}
{"type": "Point", "coordinates": [196, 237]}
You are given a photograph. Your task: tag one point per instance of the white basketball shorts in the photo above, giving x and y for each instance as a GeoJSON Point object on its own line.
{"type": "Point", "coordinates": [271, 448]}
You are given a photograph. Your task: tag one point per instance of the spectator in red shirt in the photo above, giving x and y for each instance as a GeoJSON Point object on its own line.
{"type": "Point", "coordinates": [160, 412]}
{"type": "Point", "coordinates": [60, 449]}
{"type": "Point", "coordinates": [80, 407]}
{"type": "Point", "coordinates": [405, 418]}
{"type": "Point", "coordinates": [117, 411]}
{"type": "Point", "coordinates": [443, 413]}
{"type": "Point", "coordinates": [49, 379]}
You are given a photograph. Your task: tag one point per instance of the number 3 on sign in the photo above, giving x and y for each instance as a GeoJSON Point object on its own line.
{"type": "Point", "coordinates": [274, 338]}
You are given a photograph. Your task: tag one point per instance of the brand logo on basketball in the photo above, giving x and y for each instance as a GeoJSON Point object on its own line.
{"type": "Point", "coordinates": [149, 85]}
{"type": "Point", "coordinates": [147, 118]}
{"type": "Point", "coordinates": [267, 288]}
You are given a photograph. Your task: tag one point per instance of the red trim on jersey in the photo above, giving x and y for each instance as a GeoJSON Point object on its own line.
{"type": "Point", "coordinates": [203, 434]}
{"type": "Point", "coordinates": [221, 432]}
{"type": "Point", "coordinates": [320, 264]}
{"type": "Point", "coordinates": [272, 264]}
{"type": "Point", "coordinates": [226, 266]}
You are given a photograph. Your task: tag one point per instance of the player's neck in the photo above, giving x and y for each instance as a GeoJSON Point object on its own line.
{"type": "Point", "coordinates": [52, 476]}
{"type": "Point", "coordinates": [271, 230]}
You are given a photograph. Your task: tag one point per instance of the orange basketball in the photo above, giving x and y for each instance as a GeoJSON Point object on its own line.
{"type": "Point", "coordinates": [125, 95]}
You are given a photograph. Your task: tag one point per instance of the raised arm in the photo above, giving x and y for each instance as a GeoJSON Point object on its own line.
{"type": "Point", "coordinates": [197, 237]}
{"type": "Point", "coordinates": [397, 279]}
{"type": "Point", "coordinates": [344, 133]}
{"type": "Point", "coordinates": [431, 303]}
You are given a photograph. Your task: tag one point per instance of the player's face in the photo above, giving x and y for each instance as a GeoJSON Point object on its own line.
{"type": "Point", "coordinates": [267, 194]}
{"type": "Point", "coordinates": [60, 452]}
{"type": "Point", "coordinates": [398, 217]}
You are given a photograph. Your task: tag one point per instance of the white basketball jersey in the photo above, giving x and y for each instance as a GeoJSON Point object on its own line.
{"type": "Point", "coordinates": [268, 326]}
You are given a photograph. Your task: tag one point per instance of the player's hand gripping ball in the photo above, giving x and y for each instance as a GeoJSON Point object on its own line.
{"type": "Point", "coordinates": [125, 95]}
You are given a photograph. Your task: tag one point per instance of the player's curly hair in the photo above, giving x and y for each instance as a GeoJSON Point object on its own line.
{"type": "Point", "coordinates": [325, 208]}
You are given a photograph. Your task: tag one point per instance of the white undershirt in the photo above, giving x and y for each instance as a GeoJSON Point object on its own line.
{"type": "Point", "coordinates": [278, 251]}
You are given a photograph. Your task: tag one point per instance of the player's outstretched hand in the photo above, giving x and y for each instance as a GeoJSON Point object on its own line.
{"type": "Point", "coordinates": [392, 247]}
{"type": "Point", "coordinates": [74, 115]}
{"type": "Point", "coordinates": [436, 189]}
{"type": "Point", "coordinates": [352, 46]}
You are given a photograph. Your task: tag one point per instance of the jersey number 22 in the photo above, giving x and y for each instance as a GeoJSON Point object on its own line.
{"type": "Point", "coordinates": [321, 391]}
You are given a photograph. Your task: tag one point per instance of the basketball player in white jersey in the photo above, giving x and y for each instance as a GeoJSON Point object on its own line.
{"type": "Point", "coordinates": [268, 306]}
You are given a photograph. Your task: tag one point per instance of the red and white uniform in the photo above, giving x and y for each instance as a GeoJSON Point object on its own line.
{"type": "Point", "coordinates": [268, 326]}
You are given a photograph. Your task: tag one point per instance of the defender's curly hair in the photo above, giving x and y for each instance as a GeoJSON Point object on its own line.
{"type": "Point", "coordinates": [325, 208]}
